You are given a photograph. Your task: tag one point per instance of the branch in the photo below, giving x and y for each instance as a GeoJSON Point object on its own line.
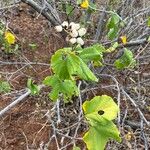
{"type": "Point", "coordinates": [129, 44]}
{"type": "Point", "coordinates": [134, 43]}
{"type": "Point", "coordinates": [14, 103]}
{"type": "Point", "coordinates": [51, 16]}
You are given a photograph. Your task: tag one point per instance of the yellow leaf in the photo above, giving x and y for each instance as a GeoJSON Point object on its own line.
{"type": "Point", "coordinates": [124, 39]}
{"type": "Point", "coordinates": [85, 4]}
{"type": "Point", "coordinates": [10, 38]}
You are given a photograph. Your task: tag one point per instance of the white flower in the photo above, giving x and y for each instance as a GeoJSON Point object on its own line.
{"type": "Point", "coordinates": [80, 41]}
{"type": "Point", "coordinates": [71, 24]}
{"type": "Point", "coordinates": [74, 33]}
{"type": "Point", "coordinates": [82, 31]}
{"type": "Point", "coordinates": [58, 28]}
{"type": "Point", "coordinates": [65, 24]}
{"type": "Point", "coordinates": [74, 26]}
{"type": "Point", "coordinates": [73, 40]}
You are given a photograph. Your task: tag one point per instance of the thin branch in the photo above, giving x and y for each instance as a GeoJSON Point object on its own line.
{"type": "Point", "coordinates": [136, 106]}
{"type": "Point", "coordinates": [14, 103]}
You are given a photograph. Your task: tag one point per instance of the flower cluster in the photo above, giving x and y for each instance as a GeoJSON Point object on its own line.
{"type": "Point", "coordinates": [74, 30]}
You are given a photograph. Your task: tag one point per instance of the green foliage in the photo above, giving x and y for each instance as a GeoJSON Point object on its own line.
{"type": "Point", "coordinates": [4, 87]}
{"type": "Point", "coordinates": [66, 64]}
{"type": "Point", "coordinates": [126, 60]}
{"type": "Point", "coordinates": [32, 87]}
{"type": "Point", "coordinates": [92, 53]}
{"type": "Point", "coordinates": [99, 112]}
{"type": "Point", "coordinates": [66, 87]}
{"type": "Point", "coordinates": [113, 25]}
{"type": "Point", "coordinates": [69, 9]}
{"type": "Point", "coordinates": [85, 73]}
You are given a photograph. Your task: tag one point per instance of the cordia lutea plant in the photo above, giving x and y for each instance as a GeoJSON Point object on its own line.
{"type": "Point", "coordinates": [71, 64]}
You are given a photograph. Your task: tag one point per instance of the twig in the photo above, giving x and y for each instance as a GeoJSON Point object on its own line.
{"type": "Point", "coordinates": [100, 25]}
{"type": "Point", "coordinates": [22, 63]}
{"type": "Point", "coordinates": [48, 115]}
{"type": "Point", "coordinates": [133, 102]}
{"type": "Point", "coordinates": [80, 113]}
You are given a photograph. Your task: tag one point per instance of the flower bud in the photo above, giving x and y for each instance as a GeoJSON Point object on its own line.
{"type": "Point", "coordinates": [74, 33]}
{"type": "Point", "coordinates": [82, 31]}
{"type": "Point", "coordinates": [73, 40]}
{"type": "Point", "coordinates": [80, 41]}
{"type": "Point", "coordinates": [58, 28]}
{"type": "Point", "coordinates": [65, 24]}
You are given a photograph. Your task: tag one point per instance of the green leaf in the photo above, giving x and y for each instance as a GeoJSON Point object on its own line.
{"type": "Point", "coordinates": [69, 9]}
{"type": "Point", "coordinates": [92, 53]}
{"type": "Point", "coordinates": [103, 103]}
{"type": "Point", "coordinates": [100, 111]}
{"type": "Point", "coordinates": [113, 21]}
{"type": "Point", "coordinates": [85, 73]}
{"type": "Point", "coordinates": [98, 135]}
{"type": "Point", "coordinates": [67, 64]}
{"type": "Point", "coordinates": [125, 61]}
{"type": "Point", "coordinates": [32, 87]}
{"type": "Point", "coordinates": [4, 87]}
{"type": "Point", "coordinates": [67, 87]}
{"type": "Point", "coordinates": [60, 63]}
{"type": "Point", "coordinates": [112, 33]}
{"type": "Point", "coordinates": [113, 26]}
